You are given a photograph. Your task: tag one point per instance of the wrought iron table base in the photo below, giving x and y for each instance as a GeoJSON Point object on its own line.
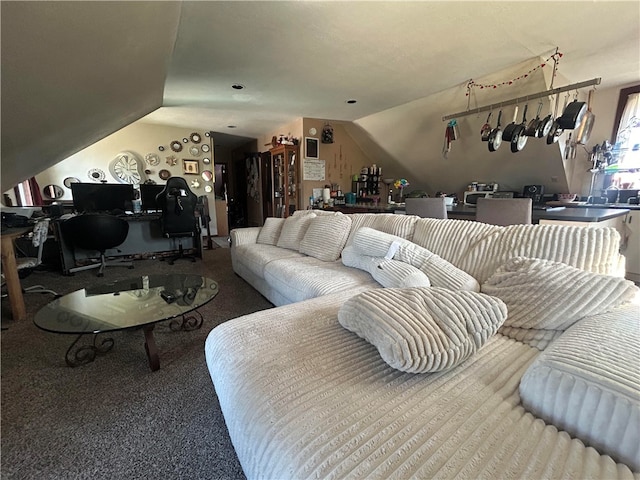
{"type": "Point", "coordinates": [87, 353]}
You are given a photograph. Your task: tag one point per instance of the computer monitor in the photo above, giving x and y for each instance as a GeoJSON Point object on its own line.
{"type": "Point", "coordinates": [102, 197]}
{"type": "Point", "coordinates": [148, 194]}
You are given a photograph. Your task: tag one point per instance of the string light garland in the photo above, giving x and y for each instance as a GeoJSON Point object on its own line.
{"type": "Point", "coordinates": [555, 57]}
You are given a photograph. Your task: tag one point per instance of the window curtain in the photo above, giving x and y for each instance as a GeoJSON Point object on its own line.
{"type": "Point", "coordinates": [28, 193]}
{"type": "Point", "coordinates": [630, 122]}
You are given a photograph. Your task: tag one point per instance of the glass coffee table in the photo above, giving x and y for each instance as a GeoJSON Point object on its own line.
{"type": "Point", "coordinates": [139, 302]}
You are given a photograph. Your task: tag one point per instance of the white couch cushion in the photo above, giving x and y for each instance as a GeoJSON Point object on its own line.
{"type": "Point", "coordinates": [326, 237]}
{"type": "Point", "coordinates": [441, 273]}
{"type": "Point", "coordinates": [256, 256]}
{"type": "Point", "coordinates": [270, 231]}
{"type": "Point", "coordinates": [588, 384]}
{"type": "Point", "coordinates": [399, 225]}
{"type": "Point", "coordinates": [550, 295]}
{"type": "Point", "coordinates": [293, 230]}
{"type": "Point", "coordinates": [420, 330]}
{"type": "Point", "coordinates": [388, 273]}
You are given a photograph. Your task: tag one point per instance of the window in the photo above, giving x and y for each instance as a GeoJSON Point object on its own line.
{"type": "Point", "coordinates": [624, 168]}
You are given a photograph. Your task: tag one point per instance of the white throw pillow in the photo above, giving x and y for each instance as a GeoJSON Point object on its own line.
{"type": "Point", "coordinates": [422, 330]}
{"type": "Point", "coordinates": [388, 273]}
{"type": "Point", "coordinates": [326, 236]}
{"type": "Point", "coordinates": [550, 295]}
{"type": "Point", "coordinates": [270, 231]}
{"type": "Point", "coordinates": [588, 384]}
{"type": "Point", "coordinates": [293, 230]}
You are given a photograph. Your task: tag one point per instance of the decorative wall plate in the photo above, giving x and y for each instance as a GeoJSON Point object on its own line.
{"type": "Point", "coordinates": [161, 148]}
{"type": "Point", "coordinates": [96, 174]}
{"type": "Point", "coordinates": [176, 146]}
{"type": "Point", "coordinates": [126, 168]}
{"type": "Point", "coordinates": [152, 159]}
{"type": "Point", "coordinates": [205, 148]}
{"type": "Point", "coordinates": [164, 174]}
{"type": "Point", "coordinates": [69, 180]}
{"type": "Point", "coordinates": [208, 188]}
{"type": "Point", "coordinates": [195, 184]}
{"type": "Point", "coordinates": [195, 137]}
{"type": "Point", "coordinates": [195, 151]}
{"type": "Point", "coordinates": [206, 160]}
{"type": "Point", "coordinates": [207, 175]}
{"type": "Point", "coordinates": [172, 161]}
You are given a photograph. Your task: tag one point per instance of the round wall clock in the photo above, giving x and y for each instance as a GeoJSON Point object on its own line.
{"type": "Point", "coordinates": [176, 146]}
{"type": "Point", "coordinates": [205, 148]}
{"type": "Point", "coordinates": [126, 168]}
{"type": "Point", "coordinates": [195, 137]}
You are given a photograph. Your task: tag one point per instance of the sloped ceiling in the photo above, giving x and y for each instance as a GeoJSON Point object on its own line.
{"type": "Point", "coordinates": [87, 69]}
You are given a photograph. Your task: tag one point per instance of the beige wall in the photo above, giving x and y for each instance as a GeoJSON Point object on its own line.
{"type": "Point", "coordinates": [141, 139]}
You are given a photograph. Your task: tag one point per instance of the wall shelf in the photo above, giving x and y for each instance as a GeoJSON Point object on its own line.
{"type": "Point", "coordinates": [526, 98]}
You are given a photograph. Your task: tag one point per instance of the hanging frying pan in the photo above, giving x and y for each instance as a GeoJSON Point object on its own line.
{"type": "Point", "coordinates": [584, 132]}
{"type": "Point", "coordinates": [556, 131]}
{"type": "Point", "coordinates": [509, 129]}
{"type": "Point", "coordinates": [532, 126]}
{"type": "Point", "coordinates": [546, 123]}
{"type": "Point", "coordinates": [519, 139]}
{"type": "Point", "coordinates": [485, 131]}
{"type": "Point", "coordinates": [572, 115]}
{"type": "Point", "coordinates": [495, 137]}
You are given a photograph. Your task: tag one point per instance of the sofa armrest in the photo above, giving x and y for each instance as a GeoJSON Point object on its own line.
{"type": "Point", "coordinates": [243, 236]}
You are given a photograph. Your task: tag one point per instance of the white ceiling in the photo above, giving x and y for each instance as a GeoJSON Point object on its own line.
{"type": "Point", "coordinates": [74, 72]}
{"type": "Point", "coordinates": [307, 58]}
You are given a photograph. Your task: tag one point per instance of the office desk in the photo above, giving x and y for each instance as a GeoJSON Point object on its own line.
{"type": "Point", "coordinates": [10, 270]}
{"type": "Point", "coordinates": [145, 239]}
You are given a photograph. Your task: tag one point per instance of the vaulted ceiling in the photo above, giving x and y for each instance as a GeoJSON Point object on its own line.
{"type": "Point", "coordinates": [75, 72]}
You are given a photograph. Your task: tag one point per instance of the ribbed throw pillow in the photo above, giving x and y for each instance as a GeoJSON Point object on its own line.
{"type": "Point", "coordinates": [326, 237]}
{"type": "Point", "coordinates": [293, 230]}
{"type": "Point", "coordinates": [550, 295]}
{"type": "Point", "coordinates": [270, 231]}
{"type": "Point", "coordinates": [420, 330]}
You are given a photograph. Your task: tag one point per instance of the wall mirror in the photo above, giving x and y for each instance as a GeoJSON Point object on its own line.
{"type": "Point", "coordinates": [53, 191]}
{"type": "Point", "coordinates": [207, 175]}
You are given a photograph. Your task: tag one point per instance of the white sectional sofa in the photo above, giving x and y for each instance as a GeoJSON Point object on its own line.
{"type": "Point", "coordinates": [405, 347]}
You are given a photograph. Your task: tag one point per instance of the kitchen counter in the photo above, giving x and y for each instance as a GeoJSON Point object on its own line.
{"type": "Point", "coordinates": [589, 213]}
{"type": "Point", "coordinates": [626, 206]}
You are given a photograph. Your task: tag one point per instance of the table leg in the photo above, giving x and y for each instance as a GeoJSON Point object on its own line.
{"type": "Point", "coordinates": [151, 348]}
{"type": "Point", "coordinates": [10, 270]}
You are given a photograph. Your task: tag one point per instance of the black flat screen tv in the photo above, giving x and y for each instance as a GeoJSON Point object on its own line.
{"type": "Point", "coordinates": [102, 197]}
{"type": "Point", "coordinates": [148, 193]}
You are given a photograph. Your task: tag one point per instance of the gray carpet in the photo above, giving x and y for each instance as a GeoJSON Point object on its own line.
{"type": "Point", "coordinates": [114, 418]}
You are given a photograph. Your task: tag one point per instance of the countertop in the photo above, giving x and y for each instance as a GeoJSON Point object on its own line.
{"type": "Point", "coordinates": [584, 212]}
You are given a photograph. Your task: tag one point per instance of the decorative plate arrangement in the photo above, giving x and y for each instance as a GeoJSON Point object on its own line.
{"type": "Point", "coordinates": [195, 151]}
{"type": "Point", "coordinates": [176, 146]}
{"type": "Point", "coordinates": [69, 180]}
{"type": "Point", "coordinates": [206, 160]}
{"type": "Point", "coordinates": [152, 159]}
{"type": "Point", "coordinates": [205, 148]}
{"type": "Point", "coordinates": [96, 174]}
{"type": "Point", "coordinates": [164, 174]}
{"type": "Point", "coordinates": [172, 161]}
{"type": "Point", "coordinates": [195, 137]}
{"type": "Point", "coordinates": [195, 184]}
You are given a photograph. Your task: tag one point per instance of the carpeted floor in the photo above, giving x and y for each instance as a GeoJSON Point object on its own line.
{"type": "Point", "coordinates": [114, 418]}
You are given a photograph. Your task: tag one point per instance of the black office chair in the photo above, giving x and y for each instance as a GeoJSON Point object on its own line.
{"type": "Point", "coordinates": [97, 231]}
{"type": "Point", "coordinates": [178, 205]}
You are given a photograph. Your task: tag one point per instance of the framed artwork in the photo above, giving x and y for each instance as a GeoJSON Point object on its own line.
{"type": "Point", "coordinates": [311, 147]}
{"type": "Point", "coordinates": [190, 167]}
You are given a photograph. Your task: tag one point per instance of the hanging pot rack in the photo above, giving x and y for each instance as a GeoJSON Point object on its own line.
{"type": "Point", "coordinates": [526, 98]}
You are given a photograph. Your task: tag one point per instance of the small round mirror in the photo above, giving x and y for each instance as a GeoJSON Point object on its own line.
{"type": "Point", "coordinates": [206, 160]}
{"type": "Point", "coordinates": [207, 175]}
{"type": "Point", "coordinates": [53, 191]}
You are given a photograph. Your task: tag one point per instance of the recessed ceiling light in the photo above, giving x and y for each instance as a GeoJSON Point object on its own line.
{"type": "Point", "coordinates": [351, 101]}
{"type": "Point", "coordinates": [237, 86]}
{"type": "Point", "coordinates": [231, 126]}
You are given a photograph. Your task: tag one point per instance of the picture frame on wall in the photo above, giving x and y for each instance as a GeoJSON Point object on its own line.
{"type": "Point", "coordinates": [190, 167]}
{"type": "Point", "coordinates": [311, 147]}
